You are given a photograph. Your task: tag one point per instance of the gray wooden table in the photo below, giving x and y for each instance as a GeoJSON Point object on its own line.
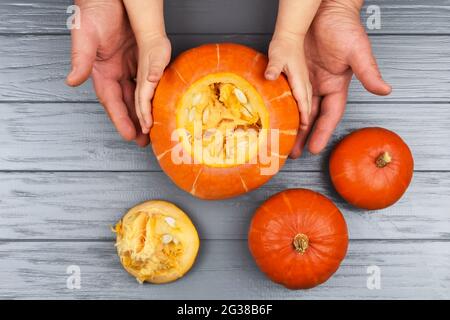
{"type": "Point", "coordinates": [66, 176]}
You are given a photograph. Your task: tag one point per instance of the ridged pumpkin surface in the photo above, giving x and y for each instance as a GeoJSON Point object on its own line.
{"type": "Point", "coordinates": [298, 238]}
{"type": "Point", "coordinates": [222, 87]}
{"type": "Point", "coordinates": [371, 168]}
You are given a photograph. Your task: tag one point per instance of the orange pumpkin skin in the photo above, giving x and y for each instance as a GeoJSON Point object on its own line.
{"type": "Point", "coordinates": [298, 238]}
{"type": "Point", "coordinates": [371, 168]}
{"type": "Point", "coordinates": [208, 182]}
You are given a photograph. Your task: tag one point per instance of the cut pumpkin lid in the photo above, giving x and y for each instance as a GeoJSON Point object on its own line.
{"type": "Point", "coordinates": [156, 242]}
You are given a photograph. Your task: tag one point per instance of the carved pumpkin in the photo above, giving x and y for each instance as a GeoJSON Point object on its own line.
{"type": "Point", "coordinates": [371, 168]}
{"type": "Point", "coordinates": [298, 238]}
{"type": "Point", "coordinates": [156, 242]}
{"type": "Point", "coordinates": [220, 129]}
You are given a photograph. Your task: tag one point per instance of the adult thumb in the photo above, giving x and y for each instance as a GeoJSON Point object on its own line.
{"type": "Point", "coordinates": [84, 51]}
{"type": "Point", "coordinates": [365, 67]}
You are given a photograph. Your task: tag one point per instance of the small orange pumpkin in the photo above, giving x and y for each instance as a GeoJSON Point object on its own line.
{"type": "Point", "coordinates": [220, 128]}
{"type": "Point", "coordinates": [371, 168]}
{"type": "Point", "coordinates": [298, 238]}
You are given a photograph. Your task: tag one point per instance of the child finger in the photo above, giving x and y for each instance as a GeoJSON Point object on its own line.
{"type": "Point", "coordinates": [145, 95]}
{"type": "Point", "coordinates": [138, 109]}
{"type": "Point", "coordinates": [300, 95]}
{"type": "Point", "coordinates": [309, 92]}
{"type": "Point", "coordinates": [303, 133]}
{"type": "Point", "coordinates": [128, 91]}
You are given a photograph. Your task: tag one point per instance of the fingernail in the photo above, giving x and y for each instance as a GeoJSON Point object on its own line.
{"type": "Point", "coordinates": [148, 123]}
{"type": "Point", "coordinates": [295, 153]}
{"type": "Point", "coordinates": [154, 76]}
{"type": "Point", "coordinates": [71, 73]}
{"type": "Point", "coordinates": [270, 75]}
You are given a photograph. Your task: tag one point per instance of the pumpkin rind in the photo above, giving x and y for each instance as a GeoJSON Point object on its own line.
{"type": "Point", "coordinates": [210, 182]}
{"type": "Point", "coordinates": [371, 168]}
{"type": "Point", "coordinates": [279, 225]}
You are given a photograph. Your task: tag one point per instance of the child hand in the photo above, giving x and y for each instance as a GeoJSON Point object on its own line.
{"type": "Point", "coordinates": [154, 56]}
{"type": "Point", "coordinates": [287, 55]}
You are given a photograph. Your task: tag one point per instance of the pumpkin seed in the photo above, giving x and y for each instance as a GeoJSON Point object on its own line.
{"type": "Point", "coordinates": [191, 115]}
{"type": "Point", "coordinates": [167, 238]}
{"type": "Point", "coordinates": [218, 146]}
{"type": "Point", "coordinates": [170, 221]}
{"type": "Point", "coordinates": [196, 99]}
{"type": "Point", "coordinates": [205, 115]}
{"type": "Point", "coordinates": [240, 96]}
{"type": "Point", "coordinates": [245, 110]}
{"type": "Point", "coordinates": [209, 133]}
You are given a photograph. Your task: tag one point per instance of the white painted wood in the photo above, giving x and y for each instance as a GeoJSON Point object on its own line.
{"type": "Point", "coordinates": [224, 270]}
{"type": "Point", "coordinates": [230, 16]}
{"type": "Point", "coordinates": [79, 136]}
{"type": "Point", "coordinates": [35, 67]}
{"type": "Point", "coordinates": [84, 205]}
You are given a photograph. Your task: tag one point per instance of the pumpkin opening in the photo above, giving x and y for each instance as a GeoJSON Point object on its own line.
{"type": "Point", "coordinates": [156, 242]}
{"type": "Point", "coordinates": [222, 117]}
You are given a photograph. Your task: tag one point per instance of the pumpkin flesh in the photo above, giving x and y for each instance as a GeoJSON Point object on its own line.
{"type": "Point", "coordinates": [224, 115]}
{"type": "Point", "coordinates": [156, 242]}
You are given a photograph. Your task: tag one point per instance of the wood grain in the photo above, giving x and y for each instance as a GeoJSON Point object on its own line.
{"type": "Point", "coordinates": [34, 67]}
{"type": "Point", "coordinates": [224, 270]}
{"type": "Point", "coordinates": [236, 16]}
{"type": "Point", "coordinates": [84, 205]}
{"type": "Point", "coordinates": [66, 176]}
{"type": "Point", "coordinates": [79, 136]}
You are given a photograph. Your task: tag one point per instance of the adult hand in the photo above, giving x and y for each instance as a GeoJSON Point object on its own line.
{"type": "Point", "coordinates": [336, 47]}
{"type": "Point", "coordinates": [105, 48]}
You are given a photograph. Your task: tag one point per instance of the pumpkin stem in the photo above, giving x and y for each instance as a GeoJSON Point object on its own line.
{"type": "Point", "coordinates": [383, 160]}
{"type": "Point", "coordinates": [301, 243]}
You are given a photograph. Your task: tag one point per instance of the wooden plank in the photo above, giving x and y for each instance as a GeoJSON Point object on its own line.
{"type": "Point", "coordinates": [83, 205]}
{"type": "Point", "coordinates": [79, 136]}
{"type": "Point", "coordinates": [34, 67]}
{"type": "Point", "coordinates": [231, 16]}
{"type": "Point", "coordinates": [224, 270]}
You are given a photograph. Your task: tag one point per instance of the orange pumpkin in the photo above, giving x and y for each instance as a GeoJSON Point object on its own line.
{"type": "Point", "coordinates": [220, 129]}
{"type": "Point", "coordinates": [298, 238]}
{"type": "Point", "coordinates": [371, 168]}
